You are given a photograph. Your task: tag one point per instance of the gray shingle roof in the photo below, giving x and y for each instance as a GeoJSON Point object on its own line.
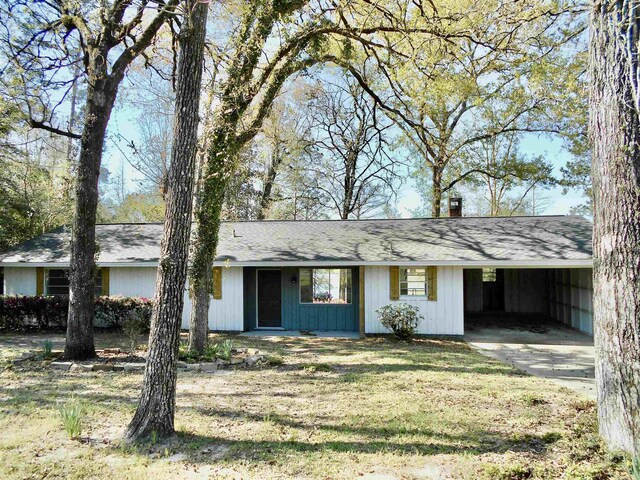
{"type": "Point", "coordinates": [445, 240]}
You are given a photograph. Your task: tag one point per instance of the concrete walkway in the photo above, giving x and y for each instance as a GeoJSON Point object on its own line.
{"type": "Point", "coordinates": [551, 350]}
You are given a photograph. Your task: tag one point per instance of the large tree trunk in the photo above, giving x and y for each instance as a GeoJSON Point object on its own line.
{"type": "Point", "coordinates": [156, 407]}
{"type": "Point", "coordinates": [615, 132]}
{"type": "Point", "coordinates": [205, 244]}
{"type": "Point", "coordinates": [101, 95]}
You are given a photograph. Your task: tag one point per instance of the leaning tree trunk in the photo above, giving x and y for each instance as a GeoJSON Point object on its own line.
{"type": "Point", "coordinates": [615, 132]}
{"type": "Point", "coordinates": [156, 407]}
{"type": "Point", "coordinates": [101, 95]}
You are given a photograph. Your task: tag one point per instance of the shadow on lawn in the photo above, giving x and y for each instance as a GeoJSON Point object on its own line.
{"type": "Point", "coordinates": [270, 450]}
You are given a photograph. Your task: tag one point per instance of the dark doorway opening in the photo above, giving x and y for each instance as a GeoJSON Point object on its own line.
{"type": "Point", "coordinates": [493, 289]}
{"type": "Point", "coordinates": [269, 299]}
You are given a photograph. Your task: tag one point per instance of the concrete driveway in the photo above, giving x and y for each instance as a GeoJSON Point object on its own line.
{"type": "Point", "coordinates": [542, 348]}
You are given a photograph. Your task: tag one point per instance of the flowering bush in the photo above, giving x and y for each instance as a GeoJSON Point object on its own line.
{"type": "Point", "coordinates": [20, 312]}
{"type": "Point", "coordinates": [402, 319]}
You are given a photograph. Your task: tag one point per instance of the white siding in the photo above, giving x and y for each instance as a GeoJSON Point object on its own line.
{"type": "Point", "coordinates": [224, 314]}
{"type": "Point", "coordinates": [132, 281]}
{"type": "Point", "coordinates": [228, 312]}
{"type": "Point", "coordinates": [19, 281]}
{"type": "Point", "coordinates": [442, 317]}
{"type": "Point", "coordinates": [571, 298]}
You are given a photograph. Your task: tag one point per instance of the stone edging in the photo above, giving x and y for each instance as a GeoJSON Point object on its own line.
{"type": "Point", "coordinates": [235, 361]}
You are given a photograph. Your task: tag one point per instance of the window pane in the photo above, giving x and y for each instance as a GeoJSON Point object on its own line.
{"type": "Point", "coordinates": [413, 281]}
{"type": "Point", "coordinates": [488, 274]}
{"type": "Point", "coordinates": [58, 282]}
{"type": "Point", "coordinates": [306, 289]}
{"type": "Point", "coordinates": [325, 285]}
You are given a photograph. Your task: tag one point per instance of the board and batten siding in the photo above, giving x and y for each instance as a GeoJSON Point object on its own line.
{"type": "Point", "coordinates": [224, 314]}
{"type": "Point", "coordinates": [445, 316]}
{"type": "Point", "coordinates": [571, 297]}
{"type": "Point", "coordinates": [227, 313]}
{"type": "Point", "coordinates": [19, 281]}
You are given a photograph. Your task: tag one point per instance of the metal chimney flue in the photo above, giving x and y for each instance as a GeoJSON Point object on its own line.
{"type": "Point", "coordinates": [455, 206]}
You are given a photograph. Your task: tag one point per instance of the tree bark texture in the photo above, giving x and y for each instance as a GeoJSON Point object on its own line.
{"type": "Point", "coordinates": [615, 133]}
{"type": "Point", "coordinates": [205, 239]}
{"type": "Point", "coordinates": [101, 95]}
{"type": "Point", "coordinates": [270, 180]}
{"type": "Point", "coordinates": [436, 209]}
{"type": "Point", "coordinates": [102, 90]}
{"type": "Point", "coordinates": [156, 407]}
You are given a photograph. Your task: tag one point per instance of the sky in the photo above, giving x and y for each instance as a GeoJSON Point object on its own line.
{"type": "Point", "coordinates": [532, 145]}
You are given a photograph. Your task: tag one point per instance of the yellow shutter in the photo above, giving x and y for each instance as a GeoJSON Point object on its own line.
{"type": "Point", "coordinates": [217, 283]}
{"type": "Point", "coordinates": [394, 283]}
{"type": "Point", "coordinates": [40, 281]}
{"type": "Point", "coordinates": [432, 283]}
{"type": "Point", "coordinates": [105, 281]}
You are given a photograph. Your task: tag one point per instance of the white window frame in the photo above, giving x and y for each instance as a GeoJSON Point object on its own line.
{"type": "Point", "coordinates": [345, 304]}
{"type": "Point", "coordinates": [409, 295]}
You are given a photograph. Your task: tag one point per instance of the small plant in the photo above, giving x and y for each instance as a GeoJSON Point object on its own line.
{"type": "Point", "coordinates": [154, 437]}
{"type": "Point", "coordinates": [212, 351]}
{"type": "Point", "coordinates": [401, 319]}
{"type": "Point", "coordinates": [225, 349]}
{"type": "Point", "coordinates": [274, 359]}
{"type": "Point", "coordinates": [316, 367]}
{"type": "Point", "coordinates": [47, 348]}
{"type": "Point", "coordinates": [532, 400]}
{"type": "Point", "coordinates": [133, 326]}
{"type": "Point", "coordinates": [72, 415]}
{"type": "Point", "coordinates": [186, 355]}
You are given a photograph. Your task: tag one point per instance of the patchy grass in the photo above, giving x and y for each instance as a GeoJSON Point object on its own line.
{"type": "Point", "coordinates": [325, 408]}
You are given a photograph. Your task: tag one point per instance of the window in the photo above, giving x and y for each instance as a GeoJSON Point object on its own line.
{"type": "Point", "coordinates": [57, 282]}
{"type": "Point", "coordinates": [325, 285]}
{"type": "Point", "coordinates": [488, 275]}
{"type": "Point", "coordinates": [413, 281]}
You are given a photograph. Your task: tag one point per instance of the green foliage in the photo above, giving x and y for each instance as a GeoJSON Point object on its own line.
{"type": "Point", "coordinates": [47, 347]}
{"type": "Point", "coordinates": [20, 312]}
{"type": "Point", "coordinates": [316, 367]}
{"type": "Point", "coordinates": [225, 349]}
{"type": "Point", "coordinates": [213, 351]}
{"type": "Point", "coordinates": [509, 472]}
{"type": "Point", "coordinates": [274, 360]}
{"type": "Point", "coordinates": [35, 180]}
{"type": "Point", "coordinates": [72, 415]}
{"type": "Point", "coordinates": [134, 324]}
{"type": "Point", "coordinates": [402, 319]}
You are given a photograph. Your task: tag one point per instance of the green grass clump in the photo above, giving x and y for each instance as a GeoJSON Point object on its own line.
{"type": "Point", "coordinates": [47, 348]}
{"type": "Point", "coordinates": [72, 415]}
{"type": "Point", "coordinates": [316, 367]}
{"type": "Point", "coordinates": [213, 351]}
{"type": "Point", "coordinates": [274, 360]}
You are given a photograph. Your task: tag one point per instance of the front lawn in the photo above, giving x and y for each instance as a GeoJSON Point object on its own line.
{"type": "Point", "coordinates": [335, 408]}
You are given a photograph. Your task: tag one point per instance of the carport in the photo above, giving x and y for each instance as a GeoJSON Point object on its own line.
{"type": "Point", "coordinates": [539, 320]}
{"type": "Point", "coordinates": [528, 297]}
